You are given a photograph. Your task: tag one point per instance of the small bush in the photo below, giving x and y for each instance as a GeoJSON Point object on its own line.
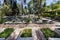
{"type": "Point", "coordinates": [2, 20]}
{"type": "Point", "coordinates": [49, 33]}
{"type": "Point", "coordinates": [28, 20]}
{"type": "Point", "coordinates": [27, 33]}
{"type": "Point", "coordinates": [6, 32]}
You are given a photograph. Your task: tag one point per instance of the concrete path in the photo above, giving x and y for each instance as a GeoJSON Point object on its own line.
{"type": "Point", "coordinates": [40, 35]}
{"type": "Point", "coordinates": [1, 29]}
{"type": "Point", "coordinates": [14, 35]}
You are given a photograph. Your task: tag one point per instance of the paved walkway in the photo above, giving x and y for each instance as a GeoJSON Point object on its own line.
{"type": "Point", "coordinates": [14, 35]}
{"type": "Point", "coordinates": [35, 27]}
{"type": "Point", "coordinates": [40, 35]}
{"type": "Point", "coordinates": [1, 29]}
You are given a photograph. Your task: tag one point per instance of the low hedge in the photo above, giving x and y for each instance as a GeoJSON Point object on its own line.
{"type": "Point", "coordinates": [2, 20]}
{"type": "Point", "coordinates": [26, 33]}
{"type": "Point", "coordinates": [6, 32]}
{"type": "Point", "coordinates": [49, 33]}
{"type": "Point", "coordinates": [28, 20]}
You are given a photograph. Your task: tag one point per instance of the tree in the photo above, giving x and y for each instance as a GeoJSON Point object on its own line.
{"type": "Point", "coordinates": [25, 10]}
{"type": "Point", "coordinates": [7, 9]}
{"type": "Point", "coordinates": [15, 9]}
{"type": "Point", "coordinates": [29, 6]}
{"type": "Point", "coordinates": [2, 14]}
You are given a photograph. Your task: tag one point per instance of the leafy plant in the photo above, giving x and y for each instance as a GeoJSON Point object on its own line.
{"type": "Point", "coordinates": [26, 33]}
{"type": "Point", "coordinates": [49, 33]}
{"type": "Point", "coordinates": [2, 20]}
{"type": "Point", "coordinates": [6, 32]}
{"type": "Point", "coordinates": [28, 20]}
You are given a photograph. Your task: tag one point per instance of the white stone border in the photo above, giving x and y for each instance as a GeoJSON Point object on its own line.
{"type": "Point", "coordinates": [53, 38]}
{"type": "Point", "coordinates": [2, 38]}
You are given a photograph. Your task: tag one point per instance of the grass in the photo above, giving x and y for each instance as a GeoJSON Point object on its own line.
{"type": "Point", "coordinates": [27, 33]}
{"type": "Point", "coordinates": [49, 33]}
{"type": "Point", "coordinates": [6, 33]}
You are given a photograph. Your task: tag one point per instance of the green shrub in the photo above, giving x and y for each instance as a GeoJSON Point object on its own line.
{"type": "Point", "coordinates": [46, 15]}
{"type": "Point", "coordinates": [28, 20]}
{"type": "Point", "coordinates": [26, 33]}
{"type": "Point", "coordinates": [2, 20]}
{"type": "Point", "coordinates": [6, 32]}
{"type": "Point", "coordinates": [49, 33]}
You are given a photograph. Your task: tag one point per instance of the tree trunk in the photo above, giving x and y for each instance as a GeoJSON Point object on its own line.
{"type": "Point", "coordinates": [39, 8]}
